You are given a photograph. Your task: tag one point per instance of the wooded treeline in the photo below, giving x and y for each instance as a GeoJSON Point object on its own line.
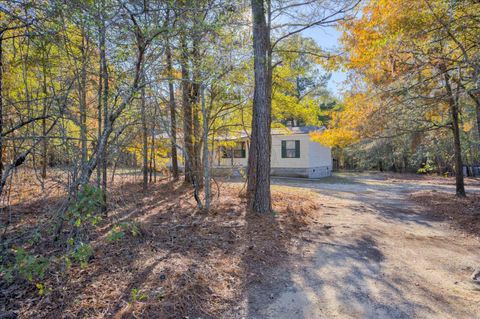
{"type": "Point", "coordinates": [88, 88]}
{"type": "Point", "coordinates": [414, 102]}
{"type": "Point", "coordinates": [92, 92]}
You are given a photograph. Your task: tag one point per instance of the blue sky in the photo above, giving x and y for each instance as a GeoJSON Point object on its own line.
{"type": "Point", "coordinates": [328, 38]}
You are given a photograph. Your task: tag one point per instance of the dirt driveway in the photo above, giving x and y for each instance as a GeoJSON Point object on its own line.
{"type": "Point", "coordinates": [371, 254]}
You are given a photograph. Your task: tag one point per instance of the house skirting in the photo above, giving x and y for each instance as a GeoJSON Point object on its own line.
{"type": "Point", "coordinates": [226, 171]}
{"type": "Point", "coordinates": [311, 172]}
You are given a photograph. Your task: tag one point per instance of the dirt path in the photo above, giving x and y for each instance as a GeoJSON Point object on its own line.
{"type": "Point", "coordinates": [371, 255]}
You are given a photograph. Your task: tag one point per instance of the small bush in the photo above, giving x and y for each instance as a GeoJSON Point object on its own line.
{"type": "Point", "coordinates": [133, 228]}
{"type": "Point", "coordinates": [85, 209]}
{"type": "Point", "coordinates": [81, 254]}
{"type": "Point", "coordinates": [25, 266]}
{"type": "Point", "coordinates": [115, 234]}
{"type": "Point", "coordinates": [426, 168]}
{"type": "Point", "coordinates": [42, 289]}
{"type": "Point", "coordinates": [119, 231]}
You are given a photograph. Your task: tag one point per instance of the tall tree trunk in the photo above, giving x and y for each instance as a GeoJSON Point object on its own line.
{"type": "Point", "coordinates": [152, 156]}
{"type": "Point", "coordinates": [260, 146]}
{"type": "Point", "coordinates": [453, 105]}
{"type": "Point", "coordinates": [109, 121]}
{"type": "Point", "coordinates": [206, 168]}
{"type": "Point", "coordinates": [103, 160]}
{"type": "Point", "coordinates": [44, 115]}
{"type": "Point", "coordinates": [99, 112]}
{"type": "Point", "coordinates": [197, 139]}
{"type": "Point", "coordinates": [173, 119]}
{"type": "Point", "coordinates": [187, 115]}
{"type": "Point", "coordinates": [83, 102]}
{"type": "Point", "coordinates": [144, 136]}
{"type": "Point", "coordinates": [477, 107]}
{"type": "Point", "coordinates": [194, 98]}
{"type": "Point", "coordinates": [475, 96]}
{"type": "Point", "coordinates": [1, 104]}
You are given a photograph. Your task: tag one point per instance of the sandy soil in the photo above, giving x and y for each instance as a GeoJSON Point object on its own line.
{"type": "Point", "coordinates": [349, 246]}
{"type": "Point", "coordinates": [371, 253]}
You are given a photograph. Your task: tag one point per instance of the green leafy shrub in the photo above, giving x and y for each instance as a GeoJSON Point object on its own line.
{"type": "Point", "coordinates": [81, 254]}
{"type": "Point", "coordinates": [26, 266]}
{"type": "Point", "coordinates": [42, 289]}
{"type": "Point", "coordinates": [86, 207]}
{"type": "Point", "coordinates": [115, 234]}
{"type": "Point", "coordinates": [35, 238]}
{"type": "Point", "coordinates": [119, 231]}
{"type": "Point", "coordinates": [131, 227]}
{"type": "Point", "coordinates": [426, 168]}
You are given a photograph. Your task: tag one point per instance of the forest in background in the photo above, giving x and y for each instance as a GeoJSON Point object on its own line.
{"type": "Point", "coordinates": [91, 85]}
{"type": "Point", "coordinates": [413, 103]}
{"type": "Point", "coordinates": [94, 92]}
{"type": "Point", "coordinates": [90, 90]}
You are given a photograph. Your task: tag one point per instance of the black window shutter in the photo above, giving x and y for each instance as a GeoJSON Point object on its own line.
{"type": "Point", "coordinates": [284, 149]}
{"type": "Point", "coordinates": [297, 149]}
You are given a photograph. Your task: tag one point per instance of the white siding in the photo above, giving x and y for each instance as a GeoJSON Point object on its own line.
{"type": "Point", "coordinates": [319, 155]}
{"type": "Point", "coordinates": [240, 162]}
{"type": "Point", "coordinates": [278, 161]}
{"type": "Point", "coordinates": [315, 160]}
{"type": "Point", "coordinates": [320, 161]}
{"type": "Point", "coordinates": [218, 160]}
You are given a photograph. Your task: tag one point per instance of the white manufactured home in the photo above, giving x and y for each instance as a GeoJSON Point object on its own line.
{"type": "Point", "coordinates": [294, 154]}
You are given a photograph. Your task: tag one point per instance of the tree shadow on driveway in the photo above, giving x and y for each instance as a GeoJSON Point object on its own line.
{"type": "Point", "coordinates": [355, 271]}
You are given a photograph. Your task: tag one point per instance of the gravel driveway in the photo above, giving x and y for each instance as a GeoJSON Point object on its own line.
{"type": "Point", "coordinates": [371, 254]}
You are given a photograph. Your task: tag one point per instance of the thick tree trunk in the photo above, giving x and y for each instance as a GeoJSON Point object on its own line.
{"type": "Point", "coordinates": [453, 105]}
{"type": "Point", "coordinates": [194, 100]}
{"type": "Point", "coordinates": [260, 146]}
{"type": "Point", "coordinates": [173, 117]}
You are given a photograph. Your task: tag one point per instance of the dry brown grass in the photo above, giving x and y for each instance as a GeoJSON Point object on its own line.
{"type": "Point", "coordinates": [463, 213]}
{"type": "Point", "coordinates": [185, 262]}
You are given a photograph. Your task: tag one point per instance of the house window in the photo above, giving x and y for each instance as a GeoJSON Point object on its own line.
{"type": "Point", "coordinates": [291, 149]}
{"type": "Point", "coordinates": [238, 151]}
{"type": "Point", "coordinates": [226, 152]}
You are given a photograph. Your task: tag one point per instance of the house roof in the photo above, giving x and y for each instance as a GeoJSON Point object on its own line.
{"type": "Point", "coordinates": [243, 135]}
{"type": "Point", "coordinates": [297, 130]}
{"type": "Point", "coordinates": [275, 131]}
